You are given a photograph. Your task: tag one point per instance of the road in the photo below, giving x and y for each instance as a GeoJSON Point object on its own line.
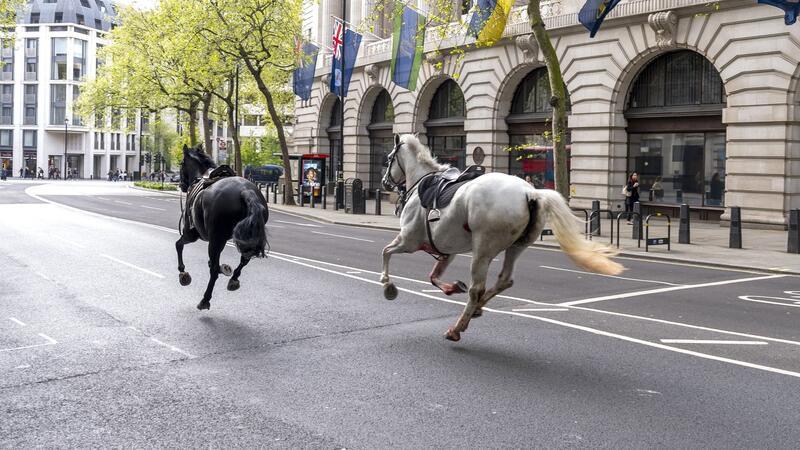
{"type": "Point", "coordinates": [100, 345]}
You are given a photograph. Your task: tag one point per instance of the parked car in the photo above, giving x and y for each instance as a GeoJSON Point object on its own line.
{"type": "Point", "coordinates": [174, 177]}
{"type": "Point", "coordinates": [263, 174]}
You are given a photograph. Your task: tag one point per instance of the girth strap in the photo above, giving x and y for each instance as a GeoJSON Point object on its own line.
{"type": "Point", "coordinates": [439, 256]}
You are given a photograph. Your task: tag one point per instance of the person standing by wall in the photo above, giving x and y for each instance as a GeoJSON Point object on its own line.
{"type": "Point", "coordinates": [631, 194]}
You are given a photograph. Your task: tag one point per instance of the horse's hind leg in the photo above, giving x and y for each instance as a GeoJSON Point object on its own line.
{"type": "Point", "coordinates": [187, 237]}
{"type": "Point", "coordinates": [480, 267]}
{"type": "Point", "coordinates": [504, 280]}
{"type": "Point", "coordinates": [448, 288]}
{"type": "Point", "coordinates": [233, 283]}
{"type": "Point", "coordinates": [215, 248]}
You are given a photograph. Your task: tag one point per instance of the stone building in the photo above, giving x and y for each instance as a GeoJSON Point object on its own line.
{"type": "Point", "coordinates": [700, 98]}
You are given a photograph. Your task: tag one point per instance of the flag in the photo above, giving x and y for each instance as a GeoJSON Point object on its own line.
{"type": "Point", "coordinates": [303, 77]}
{"type": "Point", "coordinates": [489, 21]}
{"type": "Point", "coordinates": [790, 7]}
{"type": "Point", "coordinates": [347, 47]}
{"type": "Point", "coordinates": [407, 45]}
{"type": "Point", "coordinates": [594, 12]}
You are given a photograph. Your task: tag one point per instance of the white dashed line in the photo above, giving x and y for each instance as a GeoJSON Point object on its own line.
{"type": "Point", "coordinates": [123, 203]}
{"type": "Point", "coordinates": [299, 224]}
{"type": "Point", "coordinates": [711, 342]}
{"type": "Point", "coordinates": [16, 321]}
{"type": "Point", "coordinates": [610, 276]}
{"type": "Point", "coordinates": [341, 236]}
{"type": "Point", "coordinates": [151, 207]}
{"type": "Point", "coordinates": [540, 309]}
{"type": "Point", "coordinates": [173, 348]}
{"type": "Point", "coordinates": [133, 266]}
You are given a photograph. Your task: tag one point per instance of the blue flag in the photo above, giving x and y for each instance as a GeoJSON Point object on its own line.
{"type": "Point", "coordinates": [303, 77]}
{"type": "Point", "coordinates": [352, 41]}
{"type": "Point", "coordinates": [594, 12]}
{"type": "Point", "coordinates": [790, 7]}
{"type": "Point", "coordinates": [407, 45]}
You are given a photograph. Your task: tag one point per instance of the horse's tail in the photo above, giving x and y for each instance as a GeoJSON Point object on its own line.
{"type": "Point", "coordinates": [249, 234]}
{"type": "Point", "coordinates": [585, 254]}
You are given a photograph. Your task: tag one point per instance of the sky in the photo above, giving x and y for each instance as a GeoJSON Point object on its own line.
{"type": "Point", "coordinates": [139, 4]}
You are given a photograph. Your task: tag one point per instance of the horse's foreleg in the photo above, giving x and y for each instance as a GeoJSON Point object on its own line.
{"type": "Point", "coordinates": [448, 288]}
{"type": "Point", "coordinates": [233, 283]}
{"type": "Point", "coordinates": [186, 238]}
{"type": "Point", "coordinates": [480, 267]}
{"type": "Point", "coordinates": [389, 289]}
{"type": "Point", "coordinates": [504, 280]}
{"type": "Point", "coordinates": [214, 250]}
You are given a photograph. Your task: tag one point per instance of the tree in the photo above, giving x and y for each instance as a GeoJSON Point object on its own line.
{"type": "Point", "coordinates": [558, 99]}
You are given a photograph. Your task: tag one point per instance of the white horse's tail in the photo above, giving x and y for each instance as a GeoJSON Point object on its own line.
{"type": "Point", "coordinates": [585, 254]}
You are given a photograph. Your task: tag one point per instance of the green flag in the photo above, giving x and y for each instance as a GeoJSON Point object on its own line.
{"type": "Point", "coordinates": [408, 43]}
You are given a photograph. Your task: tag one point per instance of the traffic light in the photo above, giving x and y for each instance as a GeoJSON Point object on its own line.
{"type": "Point", "coordinates": [147, 158]}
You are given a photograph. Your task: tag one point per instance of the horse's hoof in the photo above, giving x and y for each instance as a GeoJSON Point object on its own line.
{"type": "Point", "coordinates": [478, 312]}
{"type": "Point", "coordinates": [452, 335]}
{"type": "Point", "coordinates": [225, 270]}
{"type": "Point", "coordinates": [389, 291]}
{"type": "Point", "coordinates": [233, 285]}
{"type": "Point", "coordinates": [460, 287]}
{"type": "Point", "coordinates": [204, 304]}
{"type": "Point", "coordinates": [184, 278]}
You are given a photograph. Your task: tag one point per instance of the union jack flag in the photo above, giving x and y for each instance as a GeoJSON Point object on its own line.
{"type": "Point", "coordinates": [338, 38]}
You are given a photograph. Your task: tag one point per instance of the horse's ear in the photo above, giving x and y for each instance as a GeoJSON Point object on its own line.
{"type": "Point", "coordinates": [396, 140]}
{"type": "Point", "coordinates": [200, 148]}
{"type": "Point", "coordinates": [185, 149]}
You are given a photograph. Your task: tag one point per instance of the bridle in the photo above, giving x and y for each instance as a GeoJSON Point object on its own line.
{"type": "Point", "coordinates": [395, 184]}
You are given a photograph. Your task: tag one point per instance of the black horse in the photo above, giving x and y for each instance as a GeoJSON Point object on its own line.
{"type": "Point", "coordinates": [219, 206]}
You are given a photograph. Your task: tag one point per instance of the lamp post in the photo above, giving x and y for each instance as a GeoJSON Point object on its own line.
{"type": "Point", "coordinates": [66, 130]}
{"type": "Point", "coordinates": [141, 115]}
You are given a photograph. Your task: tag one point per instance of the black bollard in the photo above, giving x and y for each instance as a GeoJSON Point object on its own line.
{"type": "Point", "coordinates": [336, 197]}
{"type": "Point", "coordinates": [283, 195]}
{"type": "Point", "coordinates": [274, 193]}
{"type": "Point", "coordinates": [364, 197]}
{"type": "Point", "coordinates": [636, 232]}
{"type": "Point", "coordinates": [794, 231]}
{"type": "Point", "coordinates": [312, 198]}
{"type": "Point", "coordinates": [736, 227]}
{"type": "Point", "coordinates": [339, 195]}
{"type": "Point", "coordinates": [594, 227]}
{"type": "Point", "coordinates": [684, 235]}
{"type": "Point", "coordinates": [378, 202]}
{"type": "Point", "coordinates": [324, 197]}
{"type": "Point", "coordinates": [300, 196]}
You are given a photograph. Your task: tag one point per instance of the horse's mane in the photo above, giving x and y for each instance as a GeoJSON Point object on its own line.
{"type": "Point", "coordinates": [201, 157]}
{"type": "Point", "coordinates": [423, 153]}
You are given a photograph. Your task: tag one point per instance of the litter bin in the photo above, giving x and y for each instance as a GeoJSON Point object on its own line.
{"type": "Point", "coordinates": [354, 196]}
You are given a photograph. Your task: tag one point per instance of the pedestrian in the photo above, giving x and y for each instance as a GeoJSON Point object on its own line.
{"type": "Point", "coordinates": [631, 191]}
{"type": "Point", "coordinates": [529, 180]}
{"type": "Point", "coordinates": [41, 173]}
{"type": "Point", "coordinates": [657, 189]}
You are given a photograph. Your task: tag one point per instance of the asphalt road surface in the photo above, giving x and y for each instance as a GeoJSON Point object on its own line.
{"type": "Point", "coordinates": [100, 345]}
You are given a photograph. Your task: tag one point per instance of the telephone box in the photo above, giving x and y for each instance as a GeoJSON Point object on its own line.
{"type": "Point", "coordinates": [312, 174]}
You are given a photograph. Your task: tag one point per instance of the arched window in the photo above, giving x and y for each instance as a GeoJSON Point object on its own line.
{"type": "Point", "coordinates": [445, 125]}
{"type": "Point", "coordinates": [335, 137]}
{"type": "Point", "coordinates": [675, 131]}
{"type": "Point", "coordinates": [530, 130]}
{"type": "Point", "coordinates": [380, 137]}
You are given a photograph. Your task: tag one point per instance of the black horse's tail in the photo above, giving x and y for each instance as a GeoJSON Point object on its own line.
{"type": "Point", "coordinates": [249, 234]}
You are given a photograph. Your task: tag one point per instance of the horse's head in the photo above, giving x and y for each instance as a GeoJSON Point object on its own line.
{"type": "Point", "coordinates": [408, 161]}
{"type": "Point", "coordinates": [195, 163]}
{"type": "Point", "coordinates": [395, 175]}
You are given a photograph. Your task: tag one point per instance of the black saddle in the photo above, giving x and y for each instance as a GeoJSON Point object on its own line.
{"type": "Point", "coordinates": [437, 191]}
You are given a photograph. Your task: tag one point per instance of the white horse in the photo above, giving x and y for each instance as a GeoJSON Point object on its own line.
{"type": "Point", "coordinates": [489, 215]}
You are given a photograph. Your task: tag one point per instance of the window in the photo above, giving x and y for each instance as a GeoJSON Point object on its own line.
{"type": "Point", "coordinates": [29, 117]}
{"type": "Point", "coordinates": [533, 94]}
{"type": "Point", "coordinates": [29, 138]}
{"type": "Point", "coordinates": [100, 4]}
{"type": "Point", "coordinates": [6, 138]}
{"type": "Point", "coordinates": [7, 104]}
{"type": "Point", "coordinates": [35, 17]}
{"type": "Point", "coordinates": [31, 59]}
{"type": "Point", "coordinates": [113, 142]}
{"type": "Point", "coordinates": [118, 141]}
{"type": "Point", "coordinates": [99, 119]}
{"type": "Point", "coordinates": [98, 60]}
{"type": "Point", "coordinates": [76, 119]}
{"type": "Point", "coordinates": [85, 4]}
{"type": "Point", "coordinates": [381, 139]}
{"type": "Point", "coordinates": [448, 102]}
{"type": "Point", "coordinates": [59, 59]}
{"type": "Point", "coordinates": [466, 5]}
{"type": "Point", "coordinates": [682, 78]}
{"type": "Point", "coordinates": [80, 18]}
{"type": "Point", "coordinates": [58, 104]}
{"type": "Point", "coordinates": [79, 60]}
{"type": "Point", "coordinates": [98, 24]}
{"type": "Point", "coordinates": [7, 60]}
{"type": "Point", "coordinates": [116, 119]}
{"type": "Point", "coordinates": [250, 120]}
{"type": "Point", "coordinates": [219, 129]}
{"type": "Point", "coordinates": [445, 127]}
{"type": "Point", "coordinates": [59, 17]}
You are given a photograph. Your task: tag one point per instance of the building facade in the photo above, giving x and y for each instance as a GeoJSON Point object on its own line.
{"type": "Point", "coordinates": [700, 98]}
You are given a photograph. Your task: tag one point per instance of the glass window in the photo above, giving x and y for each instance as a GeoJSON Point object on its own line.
{"type": "Point", "coordinates": [35, 17]}
{"type": "Point", "coordinates": [681, 78]}
{"type": "Point", "coordinates": [449, 150]}
{"type": "Point", "coordinates": [448, 102]}
{"type": "Point", "coordinates": [85, 3]}
{"type": "Point", "coordinates": [383, 110]}
{"type": "Point", "coordinates": [58, 104]}
{"type": "Point", "coordinates": [6, 138]}
{"type": "Point", "coordinates": [250, 120]}
{"type": "Point", "coordinates": [98, 24]}
{"type": "Point", "coordinates": [80, 19]}
{"type": "Point", "coordinates": [7, 104]}
{"type": "Point", "coordinates": [59, 17]}
{"type": "Point", "coordinates": [680, 167]}
{"type": "Point", "coordinates": [76, 119]}
{"type": "Point", "coordinates": [79, 60]}
{"type": "Point", "coordinates": [59, 59]}
{"type": "Point", "coordinates": [29, 138]}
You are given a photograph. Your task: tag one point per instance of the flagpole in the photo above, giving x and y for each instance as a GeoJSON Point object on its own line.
{"type": "Point", "coordinates": [340, 157]}
{"type": "Point", "coordinates": [354, 27]}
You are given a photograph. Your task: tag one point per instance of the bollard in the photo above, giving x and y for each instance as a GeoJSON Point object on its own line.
{"type": "Point", "coordinates": [736, 227]}
{"type": "Point", "coordinates": [684, 236]}
{"type": "Point", "coordinates": [324, 197]}
{"type": "Point", "coordinates": [339, 195]}
{"type": "Point", "coordinates": [300, 197]}
{"type": "Point", "coordinates": [336, 197]}
{"type": "Point", "coordinates": [312, 200]}
{"type": "Point", "coordinates": [378, 202]}
{"type": "Point", "coordinates": [679, 196]}
{"type": "Point", "coordinates": [636, 232]}
{"type": "Point", "coordinates": [594, 227]}
{"type": "Point", "coordinates": [794, 231]}
{"type": "Point", "coordinates": [274, 193]}
{"type": "Point", "coordinates": [283, 195]}
{"type": "Point", "coordinates": [364, 197]}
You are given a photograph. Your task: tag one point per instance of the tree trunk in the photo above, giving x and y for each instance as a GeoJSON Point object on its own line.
{"type": "Point", "coordinates": [558, 100]}
{"type": "Point", "coordinates": [193, 123]}
{"type": "Point", "coordinates": [276, 120]}
{"type": "Point", "coordinates": [207, 131]}
{"type": "Point", "coordinates": [234, 126]}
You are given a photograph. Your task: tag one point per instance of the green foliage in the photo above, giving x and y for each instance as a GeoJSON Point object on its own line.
{"type": "Point", "coordinates": [261, 151]}
{"type": "Point", "coordinates": [155, 185]}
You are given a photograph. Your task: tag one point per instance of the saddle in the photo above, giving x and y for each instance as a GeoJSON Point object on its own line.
{"type": "Point", "coordinates": [200, 185]}
{"type": "Point", "coordinates": [437, 191]}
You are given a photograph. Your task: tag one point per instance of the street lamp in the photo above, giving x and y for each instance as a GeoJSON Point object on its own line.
{"type": "Point", "coordinates": [66, 130]}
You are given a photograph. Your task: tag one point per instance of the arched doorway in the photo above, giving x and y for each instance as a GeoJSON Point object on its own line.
{"type": "Point", "coordinates": [335, 137]}
{"type": "Point", "coordinates": [380, 137]}
{"type": "Point", "coordinates": [445, 125]}
{"type": "Point", "coordinates": [530, 130]}
{"type": "Point", "coordinates": [676, 138]}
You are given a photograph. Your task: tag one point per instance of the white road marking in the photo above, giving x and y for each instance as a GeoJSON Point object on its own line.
{"type": "Point", "coordinates": [133, 266]}
{"type": "Point", "coordinates": [752, 298]}
{"type": "Point", "coordinates": [354, 272]}
{"type": "Point", "coordinates": [50, 341]}
{"type": "Point", "coordinates": [540, 309]}
{"type": "Point", "coordinates": [123, 203]}
{"type": "Point", "coordinates": [173, 348]}
{"type": "Point", "coordinates": [152, 207]}
{"type": "Point", "coordinates": [16, 321]}
{"type": "Point", "coordinates": [431, 290]}
{"type": "Point", "coordinates": [341, 236]}
{"type": "Point", "coordinates": [103, 198]}
{"type": "Point", "coordinates": [470, 256]}
{"type": "Point", "coordinates": [40, 274]}
{"type": "Point", "coordinates": [299, 224]}
{"type": "Point", "coordinates": [610, 276]}
{"type": "Point", "coordinates": [48, 338]}
{"type": "Point", "coordinates": [711, 342]}
{"type": "Point", "coordinates": [67, 241]}
{"type": "Point", "coordinates": [667, 289]}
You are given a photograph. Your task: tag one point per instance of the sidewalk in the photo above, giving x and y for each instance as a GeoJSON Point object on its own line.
{"type": "Point", "coordinates": [764, 250]}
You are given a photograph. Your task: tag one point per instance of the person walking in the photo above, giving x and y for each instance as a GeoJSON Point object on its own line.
{"type": "Point", "coordinates": [631, 191]}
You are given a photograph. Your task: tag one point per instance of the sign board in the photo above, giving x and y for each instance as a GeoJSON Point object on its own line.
{"type": "Point", "coordinates": [658, 241]}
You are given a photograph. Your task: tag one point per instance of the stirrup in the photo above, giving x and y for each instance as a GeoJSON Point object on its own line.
{"type": "Point", "coordinates": [434, 215]}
